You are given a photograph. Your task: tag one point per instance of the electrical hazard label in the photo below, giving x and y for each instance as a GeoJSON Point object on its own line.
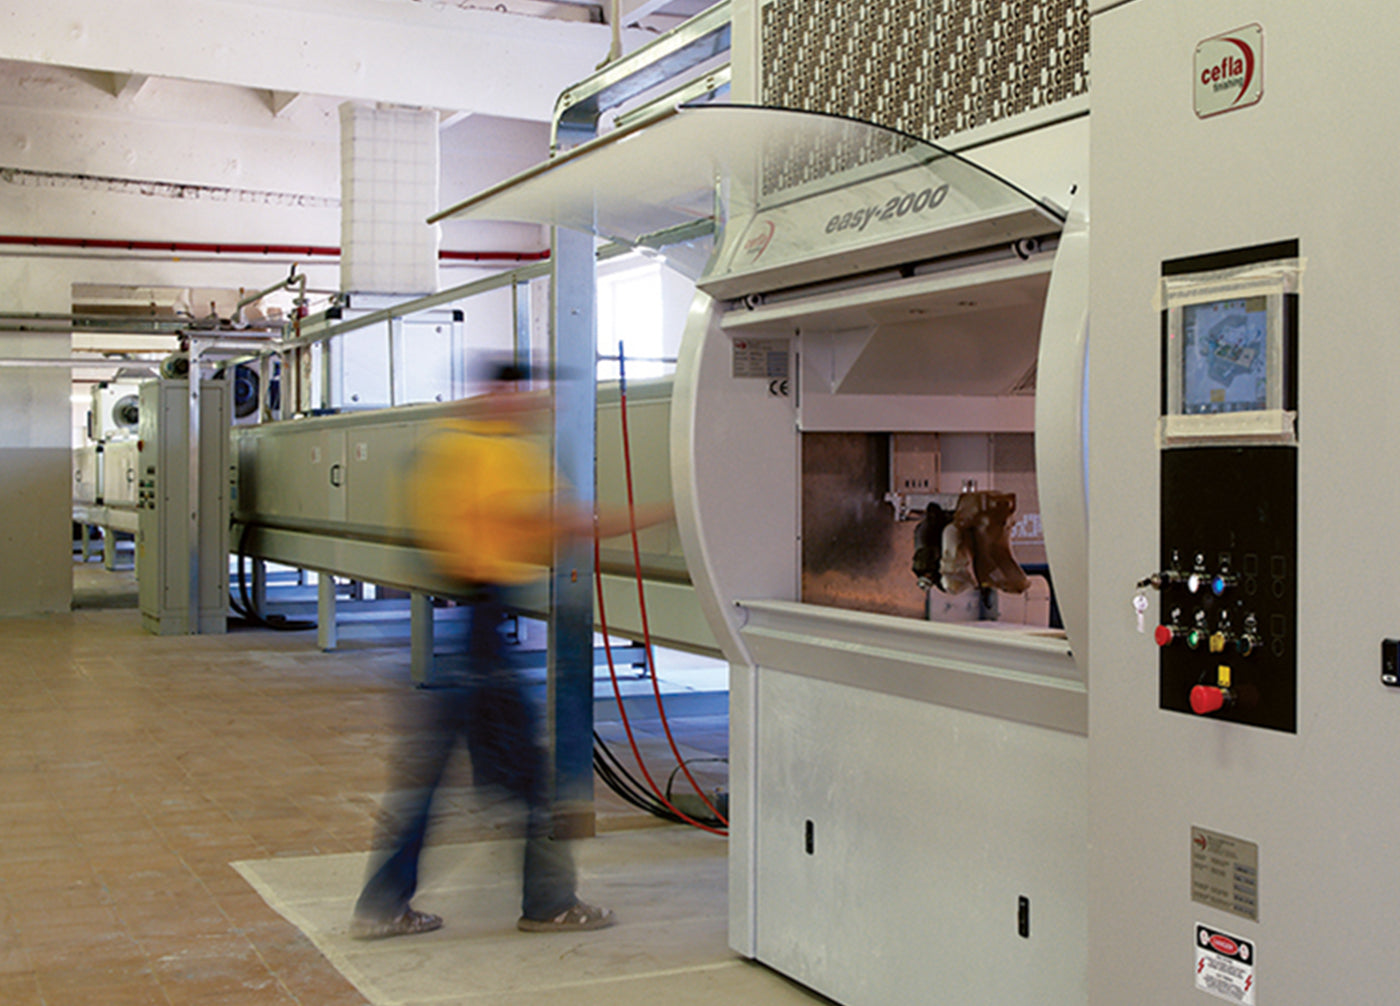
{"type": "Point", "coordinates": [1224, 965]}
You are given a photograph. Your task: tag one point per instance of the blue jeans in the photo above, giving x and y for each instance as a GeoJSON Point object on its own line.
{"type": "Point", "coordinates": [479, 696]}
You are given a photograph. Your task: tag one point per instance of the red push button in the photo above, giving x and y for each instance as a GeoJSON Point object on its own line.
{"type": "Point", "coordinates": [1164, 635]}
{"type": "Point", "coordinates": [1206, 700]}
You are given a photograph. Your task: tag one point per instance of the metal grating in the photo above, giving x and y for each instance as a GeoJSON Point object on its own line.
{"type": "Point", "coordinates": [930, 68]}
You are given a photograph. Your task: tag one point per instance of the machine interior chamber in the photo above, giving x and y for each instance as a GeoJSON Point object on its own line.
{"type": "Point", "coordinates": [903, 286]}
{"type": "Point", "coordinates": [856, 554]}
{"type": "Point", "coordinates": [950, 371]}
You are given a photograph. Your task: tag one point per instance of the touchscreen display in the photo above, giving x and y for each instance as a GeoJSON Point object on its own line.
{"type": "Point", "coordinates": [1225, 356]}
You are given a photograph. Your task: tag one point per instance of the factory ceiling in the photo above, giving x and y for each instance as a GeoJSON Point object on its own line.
{"type": "Point", "coordinates": [507, 58]}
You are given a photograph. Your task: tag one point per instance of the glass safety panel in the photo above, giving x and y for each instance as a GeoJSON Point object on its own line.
{"type": "Point", "coordinates": [784, 189]}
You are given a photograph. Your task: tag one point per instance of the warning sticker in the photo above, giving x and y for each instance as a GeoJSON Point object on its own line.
{"type": "Point", "coordinates": [1224, 965]}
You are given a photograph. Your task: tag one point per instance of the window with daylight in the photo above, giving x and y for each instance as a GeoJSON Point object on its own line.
{"type": "Point", "coordinates": [630, 314]}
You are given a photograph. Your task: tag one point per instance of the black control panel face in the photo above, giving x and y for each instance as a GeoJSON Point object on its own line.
{"type": "Point", "coordinates": [1227, 628]}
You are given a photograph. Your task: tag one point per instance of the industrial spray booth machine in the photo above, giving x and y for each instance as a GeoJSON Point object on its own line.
{"type": "Point", "coordinates": [880, 326]}
{"type": "Point", "coordinates": [986, 797]}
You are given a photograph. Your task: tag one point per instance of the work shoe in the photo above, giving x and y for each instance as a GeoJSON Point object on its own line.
{"type": "Point", "coordinates": [579, 917]}
{"type": "Point", "coordinates": [406, 923]}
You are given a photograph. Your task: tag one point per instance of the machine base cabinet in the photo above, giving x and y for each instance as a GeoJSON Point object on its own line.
{"type": "Point", "coordinates": [906, 852]}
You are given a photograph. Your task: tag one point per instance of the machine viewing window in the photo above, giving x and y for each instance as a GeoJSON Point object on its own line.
{"type": "Point", "coordinates": [1228, 347]}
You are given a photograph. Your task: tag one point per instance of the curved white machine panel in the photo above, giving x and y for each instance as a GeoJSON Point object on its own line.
{"type": "Point", "coordinates": [1060, 414]}
{"type": "Point", "coordinates": [879, 731]}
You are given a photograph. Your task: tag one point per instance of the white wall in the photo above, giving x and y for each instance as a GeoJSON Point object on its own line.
{"type": "Point", "coordinates": [172, 160]}
{"type": "Point", "coordinates": [479, 151]}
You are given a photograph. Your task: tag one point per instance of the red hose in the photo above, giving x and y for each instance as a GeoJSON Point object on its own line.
{"type": "Point", "coordinates": [641, 595]}
{"type": "Point", "coordinates": [622, 709]}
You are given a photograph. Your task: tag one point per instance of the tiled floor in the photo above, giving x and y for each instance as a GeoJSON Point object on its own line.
{"type": "Point", "coordinates": [134, 769]}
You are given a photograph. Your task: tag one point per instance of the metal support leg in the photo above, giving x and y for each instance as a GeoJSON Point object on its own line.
{"type": "Point", "coordinates": [420, 636]}
{"type": "Point", "coordinates": [325, 612]}
{"type": "Point", "coordinates": [109, 549]}
{"type": "Point", "coordinates": [259, 587]}
{"type": "Point", "coordinates": [85, 536]}
{"type": "Point", "coordinates": [571, 596]}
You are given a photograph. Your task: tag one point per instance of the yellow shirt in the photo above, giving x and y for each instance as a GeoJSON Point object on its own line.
{"type": "Point", "coordinates": [481, 502]}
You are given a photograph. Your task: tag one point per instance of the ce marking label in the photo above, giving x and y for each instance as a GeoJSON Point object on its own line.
{"type": "Point", "coordinates": [779, 388]}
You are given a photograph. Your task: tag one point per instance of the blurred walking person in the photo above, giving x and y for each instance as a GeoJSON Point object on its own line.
{"type": "Point", "coordinates": [486, 510]}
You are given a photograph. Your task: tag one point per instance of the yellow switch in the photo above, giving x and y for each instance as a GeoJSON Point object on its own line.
{"type": "Point", "coordinates": [1222, 676]}
{"type": "Point", "coordinates": [1217, 643]}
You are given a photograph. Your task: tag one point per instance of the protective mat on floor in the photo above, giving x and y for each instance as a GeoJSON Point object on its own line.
{"type": "Point", "coordinates": [667, 886]}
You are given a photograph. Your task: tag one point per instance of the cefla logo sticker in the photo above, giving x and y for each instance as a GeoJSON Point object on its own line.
{"type": "Point", "coordinates": [1230, 71]}
{"type": "Point", "coordinates": [756, 243]}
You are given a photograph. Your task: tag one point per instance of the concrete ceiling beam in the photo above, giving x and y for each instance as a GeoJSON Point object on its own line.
{"type": "Point", "coordinates": [118, 85]}
{"type": "Point", "coordinates": [278, 101]}
{"type": "Point", "coordinates": [417, 54]}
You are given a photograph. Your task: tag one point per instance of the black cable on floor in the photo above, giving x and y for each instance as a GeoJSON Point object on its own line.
{"type": "Point", "coordinates": [618, 779]}
{"type": "Point", "coordinates": [247, 610]}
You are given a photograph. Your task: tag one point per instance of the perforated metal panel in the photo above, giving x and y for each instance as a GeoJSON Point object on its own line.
{"type": "Point", "coordinates": [929, 68]}
{"type": "Point", "coordinates": [835, 154]}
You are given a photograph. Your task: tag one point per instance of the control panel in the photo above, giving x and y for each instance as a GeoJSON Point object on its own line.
{"type": "Point", "coordinates": [1227, 573]}
{"type": "Point", "coordinates": [1228, 584]}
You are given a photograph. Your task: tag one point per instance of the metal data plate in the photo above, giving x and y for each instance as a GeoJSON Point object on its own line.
{"type": "Point", "coordinates": [1225, 873]}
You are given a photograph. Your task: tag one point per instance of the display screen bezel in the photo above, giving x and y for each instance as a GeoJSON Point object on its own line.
{"type": "Point", "coordinates": [1183, 396]}
{"type": "Point", "coordinates": [1266, 289]}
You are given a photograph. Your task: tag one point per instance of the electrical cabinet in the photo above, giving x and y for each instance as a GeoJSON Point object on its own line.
{"type": "Point", "coordinates": [1240, 418]}
{"type": "Point", "coordinates": [183, 508]}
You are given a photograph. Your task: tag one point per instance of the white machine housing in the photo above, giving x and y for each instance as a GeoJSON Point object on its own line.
{"type": "Point", "coordinates": [115, 409]}
{"type": "Point", "coordinates": [909, 796]}
{"type": "Point", "coordinates": [326, 492]}
{"type": "Point", "coordinates": [403, 361]}
{"type": "Point", "coordinates": [1221, 127]}
{"type": "Point", "coordinates": [104, 492]}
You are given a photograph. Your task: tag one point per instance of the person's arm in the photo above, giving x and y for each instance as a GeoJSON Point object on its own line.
{"type": "Point", "coordinates": [612, 521]}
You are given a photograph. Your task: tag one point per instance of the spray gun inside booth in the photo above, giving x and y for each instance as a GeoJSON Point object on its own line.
{"type": "Point", "coordinates": [878, 475]}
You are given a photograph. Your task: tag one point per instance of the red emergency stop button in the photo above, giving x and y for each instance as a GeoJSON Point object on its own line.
{"type": "Point", "coordinates": [1206, 699]}
{"type": "Point", "coordinates": [1164, 635]}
